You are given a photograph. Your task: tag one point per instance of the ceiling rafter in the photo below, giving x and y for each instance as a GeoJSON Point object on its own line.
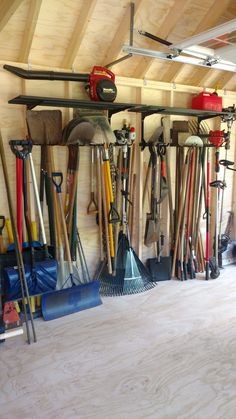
{"type": "Point", "coordinates": [78, 33]}
{"type": "Point", "coordinates": [7, 9]}
{"type": "Point", "coordinates": [209, 21]}
{"type": "Point", "coordinates": [224, 80]}
{"type": "Point", "coordinates": [32, 18]}
{"type": "Point", "coordinates": [164, 31]}
{"type": "Point", "coordinates": [120, 35]}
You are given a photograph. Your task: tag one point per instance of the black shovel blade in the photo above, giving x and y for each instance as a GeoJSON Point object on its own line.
{"type": "Point", "coordinates": [160, 271]}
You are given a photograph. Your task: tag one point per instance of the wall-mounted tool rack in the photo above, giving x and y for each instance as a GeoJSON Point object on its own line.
{"type": "Point", "coordinates": [114, 107]}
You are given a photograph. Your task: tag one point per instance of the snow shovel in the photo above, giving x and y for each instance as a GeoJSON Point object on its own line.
{"type": "Point", "coordinates": [41, 276]}
{"type": "Point", "coordinates": [78, 296]}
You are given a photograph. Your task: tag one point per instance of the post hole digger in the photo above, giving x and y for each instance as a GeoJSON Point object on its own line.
{"type": "Point", "coordinates": [73, 296]}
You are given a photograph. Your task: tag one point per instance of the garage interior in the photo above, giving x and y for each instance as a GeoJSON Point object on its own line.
{"type": "Point", "coordinates": [117, 231]}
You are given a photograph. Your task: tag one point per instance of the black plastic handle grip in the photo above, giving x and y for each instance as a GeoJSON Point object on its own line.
{"type": "Point", "coordinates": [21, 148]}
{"type": "Point", "coordinates": [2, 223]}
{"type": "Point", "coordinates": [226, 163]}
{"type": "Point", "coordinates": [218, 184]}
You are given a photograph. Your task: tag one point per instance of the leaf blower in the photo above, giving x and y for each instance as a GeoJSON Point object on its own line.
{"type": "Point", "coordinates": [100, 83]}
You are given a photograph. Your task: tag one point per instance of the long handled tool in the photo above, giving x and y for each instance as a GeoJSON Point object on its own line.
{"type": "Point", "coordinates": [57, 179]}
{"type": "Point", "coordinates": [214, 261]}
{"type": "Point", "coordinates": [19, 198]}
{"type": "Point", "coordinates": [2, 225]}
{"type": "Point", "coordinates": [41, 275]}
{"type": "Point", "coordinates": [151, 230]}
{"type": "Point", "coordinates": [207, 216]}
{"type": "Point", "coordinates": [92, 208]}
{"type": "Point", "coordinates": [78, 297]}
{"type": "Point", "coordinates": [20, 264]}
{"type": "Point", "coordinates": [180, 212]}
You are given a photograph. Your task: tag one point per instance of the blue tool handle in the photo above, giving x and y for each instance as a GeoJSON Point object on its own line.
{"type": "Point", "coordinates": [57, 178]}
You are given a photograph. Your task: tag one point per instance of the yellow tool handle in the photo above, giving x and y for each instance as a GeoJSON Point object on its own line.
{"type": "Point", "coordinates": [112, 250]}
{"type": "Point", "coordinates": [107, 189]}
{"type": "Point", "coordinates": [108, 202]}
{"type": "Point", "coordinates": [108, 173]}
{"type": "Point", "coordinates": [34, 230]}
{"type": "Point", "coordinates": [9, 231]}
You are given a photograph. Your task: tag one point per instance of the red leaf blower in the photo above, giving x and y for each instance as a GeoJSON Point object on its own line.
{"type": "Point", "coordinates": [100, 83]}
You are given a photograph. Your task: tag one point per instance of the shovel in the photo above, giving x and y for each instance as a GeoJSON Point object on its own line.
{"type": "Point", "coordinates": [92, 208]}
{"type": "Point", "coordinates": [77, 297]}
{"type": "Point", "coordinates": [151, 229]}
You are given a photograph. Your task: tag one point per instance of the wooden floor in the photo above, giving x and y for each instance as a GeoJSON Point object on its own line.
{"type": "Point", "coordinates": [169, 353]}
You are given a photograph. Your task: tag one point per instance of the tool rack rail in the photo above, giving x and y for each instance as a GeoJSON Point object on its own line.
{"type": "Point", "coordinates": [114, 107]}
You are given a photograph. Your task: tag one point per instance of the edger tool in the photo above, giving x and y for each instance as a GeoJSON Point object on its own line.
{"type": "Point", "coordinates": [100, 83]}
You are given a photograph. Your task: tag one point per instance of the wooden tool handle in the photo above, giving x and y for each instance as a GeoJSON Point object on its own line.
{"type": "Point", "coordinates": [104, 202]}
{"type": "Point", "coordinates": [99, 186]}
{"type": "Point", "coordinates": [181, 204]}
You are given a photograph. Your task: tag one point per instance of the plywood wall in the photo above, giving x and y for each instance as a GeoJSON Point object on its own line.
{"type": "Point", "coordinates": [12, 124]}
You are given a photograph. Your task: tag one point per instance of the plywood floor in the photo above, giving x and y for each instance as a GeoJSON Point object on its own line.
{"type": "Point", "coordinates": [169, 353]}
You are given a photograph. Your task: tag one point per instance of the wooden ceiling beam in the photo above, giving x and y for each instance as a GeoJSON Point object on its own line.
{"type": "Point", "coordinates": [32, 18]}
{"type": "Point", "coordinates": [209, 21]}
{"type": "Point", "coordinates": [7, 9]}
{"type": "Point", "coordinates": [78, 33]}
{"type": "Point", "coordinates": [164, 31]}
{"type": "Point", "coordinates": [226, 78]}
{"type": "Point", "coordinates": [119, 38]}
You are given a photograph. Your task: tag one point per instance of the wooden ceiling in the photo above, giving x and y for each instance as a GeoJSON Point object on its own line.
{"type": "Point", "coordinates": [78, 34]}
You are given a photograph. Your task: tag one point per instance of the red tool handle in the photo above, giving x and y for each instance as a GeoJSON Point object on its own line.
{"type": "Point", "coordinates": [163, 169]}
{"type": "Point", "coordinates": [19, 198]}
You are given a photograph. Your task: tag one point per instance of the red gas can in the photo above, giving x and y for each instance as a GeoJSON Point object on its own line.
{"type": "Point", "coordinates": [207, 101]}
